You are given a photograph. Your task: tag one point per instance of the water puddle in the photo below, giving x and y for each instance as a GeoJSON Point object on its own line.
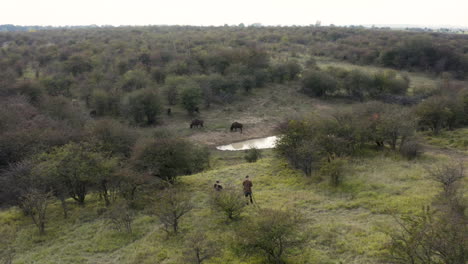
{"type": "Point", "coordinates": [260, 143]}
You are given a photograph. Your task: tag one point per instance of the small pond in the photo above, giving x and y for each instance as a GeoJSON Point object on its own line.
{"type": "Point", "coordinates": [260, 143]}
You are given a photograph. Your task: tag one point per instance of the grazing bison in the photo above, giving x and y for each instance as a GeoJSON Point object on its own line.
{"type": "Point", "coordinates": [93, 113]}
{"type": "Point", "coordinates": [235, 126]}
{"type": "Point", "coordinates": [196, 123]}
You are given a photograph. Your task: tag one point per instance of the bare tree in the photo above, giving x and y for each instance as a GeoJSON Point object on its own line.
{"type": "Point", "coordinates": [199, 248]}
{"type": "Point", "coordinates": [35, 203]}
{"type": "Point", "coordinates": [448, 175]}
{"type": "Point", "coordinates": [121, 217]}
{"type": "Point", "coordinates": [172, 205]}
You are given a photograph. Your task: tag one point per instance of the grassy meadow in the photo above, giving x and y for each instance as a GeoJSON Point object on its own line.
{"type": "Point", "coordinates": [345, 224]}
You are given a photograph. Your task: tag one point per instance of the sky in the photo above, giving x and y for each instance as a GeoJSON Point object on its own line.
{"type": "Point", "coordinates": [220, 12]}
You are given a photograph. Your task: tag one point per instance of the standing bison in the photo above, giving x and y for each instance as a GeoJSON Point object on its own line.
{"type": "Point", "coordinates": [235, 126]}
{"type": "Point", "coordinates": [196, 123]}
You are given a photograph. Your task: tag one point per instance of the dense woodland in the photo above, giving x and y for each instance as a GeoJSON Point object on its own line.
{"type": "Point", "coordinates": [84, 114]}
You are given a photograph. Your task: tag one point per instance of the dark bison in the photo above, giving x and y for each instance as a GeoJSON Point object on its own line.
{"type": "Point", "coordinates": [196, 123]}
{"type": "Point", "coordinates": [93, 113]}
{"type": "Point", "coordinates": [235, 126]}
{"type": "Point", "coordinates": [169, 111]}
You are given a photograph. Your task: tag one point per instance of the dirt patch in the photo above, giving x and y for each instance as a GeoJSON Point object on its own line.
{"type": "Point", "coordinates": [446, 152]}
{"type": "Point", "coordinates": [250, 131]}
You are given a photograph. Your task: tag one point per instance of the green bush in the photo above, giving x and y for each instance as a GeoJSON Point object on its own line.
{"type": "Point", "coordinates": [143, 106]}
{"type": "Point", "coordinates": [229, 201]}
{"type": "Point", "coordinates": [411, 149]}
{"type": "Point", "coordinates": [334, 170]}
{"type": "Point", "coordinates": [252, 155]}
{"type": "Point", "coordinates": [272, 234]}
{"type": "Point", "coordinates": [168, 158]}
{"type": "Point", "coordinates": [318, 83]}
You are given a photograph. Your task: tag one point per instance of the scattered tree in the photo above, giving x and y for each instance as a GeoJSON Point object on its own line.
{"type": "Point", "coordinates": [199, 248]}
{"type": "Point", "coordinates": [35, 203]}
{"type": "Point", "coordinates": [191, 97]}
{"type": "Point", "coordinates": [77, 168]}
{"type": "Point", "coordinates": [172, 205]}
{"type": "Point", "coordinates": [143, 106]}
{"type": "Point", "coordinates": [168, 158]}
{"type": "Point", "coordinates": [120, 216]}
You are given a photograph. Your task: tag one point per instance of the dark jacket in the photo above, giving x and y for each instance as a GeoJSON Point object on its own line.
{"type": "Point", "coordinates": [247, 186]}
{"type": "Point", "coordinates": [217, 187]}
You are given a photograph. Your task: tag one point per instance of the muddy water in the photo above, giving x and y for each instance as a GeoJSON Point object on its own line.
{"type": "Point", "coordinates": [260, 143]}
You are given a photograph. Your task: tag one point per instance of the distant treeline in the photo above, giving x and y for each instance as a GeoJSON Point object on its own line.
{"type": "Point", "coordinates": [422, 51]}
{"type": "Point", "coordinates": [12, 28]}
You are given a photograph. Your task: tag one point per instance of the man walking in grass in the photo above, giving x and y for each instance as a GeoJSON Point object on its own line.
{"type": "Point", "coordinates": [248, 188]}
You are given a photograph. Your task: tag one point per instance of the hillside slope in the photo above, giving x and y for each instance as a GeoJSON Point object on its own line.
{"type": "Point", "coordinates": [345, 224]}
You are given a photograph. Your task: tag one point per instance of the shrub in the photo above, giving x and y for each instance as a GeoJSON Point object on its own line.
{"type": "Point", "coordinates": [105, 103]}
{"type": "Point", "coordinates": [358, 84]}
{"type": "Point", "coordinates": [78, 64]}
{"type": "Point", "coordinates": [171, 205]}
{"type": "Point", "coordinates": [229, 201]}
{"type": "Point", "coordinates": [75, 169]}
{"type": "Point", "coordinates": [411, 149]}
{"type": "Point", "coordinates": [35, 203]}
{"type": "Point", "coordinates": [334, 170]}
{"type": "Point", "coordinates": [191, 97]}
{"type": "Point", "coordinates": [158, 75]}
{"type": "Point", "coordinates": [143, 106]}
{"type": "Point", "coordinates": [388, 82]}
{"type": "Point", "coordinates": [288, 71]}
{"type": "Point", "coordinates": [57, 85]}
{"type": "Point", "coordinates": [199, 248]}
{"type": "Point", "coordinates": [271, 234]}
{"type": "Point", "coordinates": [31, 90]}
{"type": "Point", "coordinates": [112, 137]}
{"type": "Point", "coordinates": [174, 85]}
{"type": "Point", "coordinates": [120, 216]}
{"type": "Point", "coordinates": [434, 113]}
{"type": "Point", "coordinates": [252, 154]}
{"type": "Point", "coordinates": [132, 183]}
{"type": "Point", "coordinates": [297, 145]}
{"type": "Point", "coordinates": [168, 158]}
{"type": "Point", "coordinates": [392, 125]}
{"type": "Point", "coordinates": [318, 83]}
{"type": "Point", "coordinates": [133, 80]}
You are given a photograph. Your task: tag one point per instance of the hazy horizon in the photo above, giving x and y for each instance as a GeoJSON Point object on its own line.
{"type": "Point", "coordinates": [210, 12]}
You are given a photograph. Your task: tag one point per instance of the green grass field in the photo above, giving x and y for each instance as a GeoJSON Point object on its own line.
{"type": "Point", "coordinates": [456, 140]}
{"type": "Point", "coordinates": [345, 224]}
